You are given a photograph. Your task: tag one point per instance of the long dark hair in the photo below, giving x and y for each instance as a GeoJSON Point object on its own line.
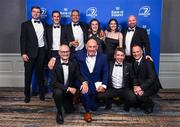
{"type": "Point", "coordinates": [113, 19]}
{"type": "Point", "coordinates": [90, 29]}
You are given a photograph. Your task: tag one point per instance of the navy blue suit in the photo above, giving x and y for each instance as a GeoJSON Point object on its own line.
{"type": "Point", "coordinates": [100, 73]}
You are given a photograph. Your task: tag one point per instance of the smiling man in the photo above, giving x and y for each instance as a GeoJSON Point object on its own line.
{"type": "Point", "coordinates": [55, 34]}
{"type": "Point", "coordinates": [94, 69]}
{"type": "Point", "coordinates": [121, 79]}
{"type": "Point", "coordinates": [33, 51]}
{"type": "Point", "coordinates": [76, 32]}
{"type": "Point", "coordinates": [64, 75]}
{"type": "Point", "coordinates": [147, 82]}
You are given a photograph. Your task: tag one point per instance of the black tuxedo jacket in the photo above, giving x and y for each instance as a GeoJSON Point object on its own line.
{"type": "Point", "coordinates": [146, 76]}
{"type": "Point", "coordinates": [29, 40]}
{"type": "Point", "coordinates": [69, 33]}
{"type": "Point", "coordinates": [128, 75]}
{"type": "Point", "coordinates": [140, 37]}
{"type": "Point", "coordinates": [57, 75]}
{"type": "Point", "coordinates": [49, 32]}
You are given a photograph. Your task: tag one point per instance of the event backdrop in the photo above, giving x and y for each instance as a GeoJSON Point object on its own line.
{"type": "Point", "coordinates": [148, 14]}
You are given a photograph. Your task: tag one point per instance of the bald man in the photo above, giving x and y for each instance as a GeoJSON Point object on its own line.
{"type": "Point", "coordinates": [64, 74]}
{"type": "Point", "coordinates": [94, 69]}
{"type": "Point", "coordinates": [135, 35]}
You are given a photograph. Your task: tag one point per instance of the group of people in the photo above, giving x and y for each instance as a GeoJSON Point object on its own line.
{"type": "Point", "coordinates": [98, 64]}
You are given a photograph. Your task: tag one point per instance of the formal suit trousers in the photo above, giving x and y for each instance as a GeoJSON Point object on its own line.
{"type": "Point", "coordinates": [61, 98]}
{"type": "Point", "coordinates": [89, 101]}
{"type": "Point", "coordinates": [125, 94]}
{"type": "Point", "coordinates": [37, 64]}
{"type": "Point", "coordinates": [145, 100]}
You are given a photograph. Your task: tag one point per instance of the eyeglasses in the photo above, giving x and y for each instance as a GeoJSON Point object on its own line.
{"type": "Point", "coordinates": [64, 51]}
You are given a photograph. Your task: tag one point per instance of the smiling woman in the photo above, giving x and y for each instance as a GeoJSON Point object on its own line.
{"type": "Point", "coordinates": [113, 38]}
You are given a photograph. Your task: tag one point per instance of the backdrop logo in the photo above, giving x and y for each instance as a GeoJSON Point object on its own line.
{"type": "Point", "coordinates": [117, 12]}
{"type": "Point", "coordinates": [147, 29]}
{"type": "Point", "coordinates": [144, 11]}
{"type": "Point", "coordinates": [65, 13]}
{"type": "Point", "coordinates": [44, 13]}
{"type": "Point", "coordinates": [92, 12]}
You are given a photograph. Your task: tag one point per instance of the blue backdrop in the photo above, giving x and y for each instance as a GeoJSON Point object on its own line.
{"type": "Point", "coordinates": [148, 14]}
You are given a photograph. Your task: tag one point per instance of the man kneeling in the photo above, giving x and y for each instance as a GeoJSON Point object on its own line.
{"type": "Point", "coordinates": [120, 81]}
{"type": "Point", "coordinates": [63, 75]}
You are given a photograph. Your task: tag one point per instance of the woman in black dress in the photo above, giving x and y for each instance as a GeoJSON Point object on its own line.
{"type": "Point", "coordinates": [113, 38]}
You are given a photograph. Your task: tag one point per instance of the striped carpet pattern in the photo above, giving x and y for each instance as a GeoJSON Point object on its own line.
{"type": "Point", "coordinates": [15, 113]}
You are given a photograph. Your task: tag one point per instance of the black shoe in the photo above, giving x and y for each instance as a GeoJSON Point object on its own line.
{"type": "Point", "coordinates": [42, 97]}
{"type": "Point", "coordinates": [27, 99]}
{"type": "Point", "coordinates": [126, 108]}
{"type": "Point", "coordinates": [148, 110]}
{"type": "Point", "coordinates": [108, 107]}
{"type": "Point", "coordinates": [59, 118]}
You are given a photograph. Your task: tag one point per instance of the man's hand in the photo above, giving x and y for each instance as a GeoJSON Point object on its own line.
{"type": "Point", "coordinates": [84, 88]}
{"type": "Point", "coordinates": [138, 90]}
{"type": "Point", "coordinates": [71, 90]}
{"type": "Point", "coordinates": [74, 43]}
{"type": "Point", "coordinates": [51, 63]}
{"type": "Point", "coordinates": [149, 57]}
{"type": "Point", "coordinates": [100, 89]}
{"type": "Point", "coordinates": [25, 57]}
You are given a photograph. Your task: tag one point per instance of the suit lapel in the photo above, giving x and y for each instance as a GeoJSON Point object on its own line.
{"type": "Point", "coordinates": [96, 63]}
{"type": "Point", "coordinates": [134, 35]}
{"type": "Point", "coordinates": [60, 71]}
{"type": "Point", "coordinates": [32, 28]}
{"type": "Point", "coordinates": [70, 71]}
{"type": "Point", "coordinates": [71, 31]}
{"type": "Point", "coordinates": [51, 33]}
{"type": "Point", "coordinates": [111, 68]}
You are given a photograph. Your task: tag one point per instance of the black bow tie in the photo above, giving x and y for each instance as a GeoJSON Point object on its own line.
{"type": "Point", "coordinates": [36, 21]}
{"type": "Point", "coordinates": [129, 30]}
{"type": "Point", "coordinates": [118, 65]}
{"type": "Point", "coordinates": [56, 27]}
{"type": "Point", "coordinates": [77, 24]}
{"type": "Point", "coordinates": [65, 64]}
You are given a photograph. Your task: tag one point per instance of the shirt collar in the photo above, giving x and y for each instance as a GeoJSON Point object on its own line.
{"type": "Point", "coordinates": [139, 60]}
{"type": "Point", "coordinates": [63, 61]}
{"type": "Point", "coordinates": [116, 63]}
{"type": "Point", "coordinates": [35, 20]}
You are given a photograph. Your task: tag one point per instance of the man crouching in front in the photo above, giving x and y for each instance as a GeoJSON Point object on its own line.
{"type": "Point", "coordinates": [64, 74]}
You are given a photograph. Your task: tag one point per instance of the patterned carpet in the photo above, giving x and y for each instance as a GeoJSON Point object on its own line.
{"type": "Point", "coordinates": [15, 113]}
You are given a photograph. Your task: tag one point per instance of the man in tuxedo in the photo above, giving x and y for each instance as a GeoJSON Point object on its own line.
{"type": "Point", "coordinates": [147, 81]}
{"type": "Point", "coordinates": [55, 35]}
{"type": "Point", "coordinates": [135, 35]}
{"type": "Point", "coordinates": [64, 75]}
{"type": "Point", "coordinates": [94, 69]}
{"type": "Point", "coordinates": [33, 51]}
{"type": "Point", "coordinates": [76, 32]}
{"type": "Point", "coordinates": [121, 80]}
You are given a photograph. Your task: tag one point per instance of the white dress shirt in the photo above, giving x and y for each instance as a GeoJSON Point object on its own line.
{"type": "Point", "coordinates": [90, 61]}
{"type": "Point", "coordinates": [78, 36]}
{"type": "Point", "coordinates": [39, 29]}
{"type": "Point", "coordinates": [128, 40]}
{"type": "Point", "coordinates": [117, 76]}
{"type": "Point", "coordinates": [56, 38]}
